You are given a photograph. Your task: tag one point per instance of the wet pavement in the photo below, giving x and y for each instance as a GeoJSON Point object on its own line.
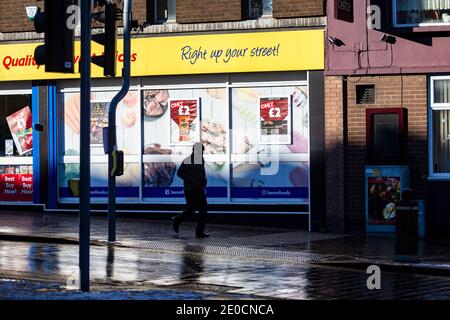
{"type": "Point", "coordinates": [237, 262]}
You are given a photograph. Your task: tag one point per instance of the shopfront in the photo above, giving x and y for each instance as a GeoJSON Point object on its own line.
{"type": "Point", "coordinates": [246, 96]}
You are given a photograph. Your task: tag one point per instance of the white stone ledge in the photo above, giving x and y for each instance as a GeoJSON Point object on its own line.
{"type": "Point", "coordinates": [169, 28]}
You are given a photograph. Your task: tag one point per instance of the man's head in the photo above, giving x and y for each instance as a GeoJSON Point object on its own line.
{"type": "Point", "coordinates": [198, 147]}
{"type": "Point", "coordinates": [197, 151]}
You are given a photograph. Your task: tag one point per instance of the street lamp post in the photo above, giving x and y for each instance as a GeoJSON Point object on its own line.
{"type": "Point", "coordinates": [85, 150]}
{"type": "Point", "coordinates": [112, 136]}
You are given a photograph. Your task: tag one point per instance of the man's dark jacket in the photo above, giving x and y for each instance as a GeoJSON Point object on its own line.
{"type": "Point", "coordinates": [193, 174]}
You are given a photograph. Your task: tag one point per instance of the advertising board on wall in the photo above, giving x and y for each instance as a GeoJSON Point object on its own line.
{"type": "Point", "coordinates": [187, 54]}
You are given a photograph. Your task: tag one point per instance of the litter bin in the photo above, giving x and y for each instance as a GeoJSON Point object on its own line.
{"type": "Point", "coordinates": [407, 228]}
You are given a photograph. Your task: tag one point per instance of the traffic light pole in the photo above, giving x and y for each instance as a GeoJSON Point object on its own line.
{"type": "Point", "coordinates": [112, 136]}
{"type": "Point", "coordinates": [85, 148]}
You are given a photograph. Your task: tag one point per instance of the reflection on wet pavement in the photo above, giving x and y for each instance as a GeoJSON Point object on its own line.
{"type": "Point", "coordinates": [194, 270]}
{"type": "Point", "coordinates": [250, 261]}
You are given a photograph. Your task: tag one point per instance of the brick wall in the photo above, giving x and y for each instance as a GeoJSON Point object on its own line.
{"type": "Point", "coordinates": [388, 95]}
{"type": "Point", "coordinates": [334, 159]}
{"type": "Point", "coordinates": [298, 8]}
{"type": "Point", "coordinates": [139, 10]}
{"type": "Point", "coordinates": [202, 11]}
{"type": "Point", "coordinates": [14, 17]}
{"type": "Point", "coordinates": [188, 11]}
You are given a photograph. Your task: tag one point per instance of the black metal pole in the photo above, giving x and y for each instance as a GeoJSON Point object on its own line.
{"type": "Point", "coordinates": [112, 136]}
{"type": "Point", "coordinates": [85, 148]}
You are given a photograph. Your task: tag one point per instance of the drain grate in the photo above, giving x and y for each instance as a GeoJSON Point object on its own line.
{"type": "Point", "coordinates": [252, 253]}
{"type": "Point", "coordinates": [275, 239]}
{"type": "Point", "coordinates": [254, 247]}
{"type": "Point", "coordinates": [202, 287]}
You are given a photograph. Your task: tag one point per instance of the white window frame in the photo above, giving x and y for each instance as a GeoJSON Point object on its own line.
{"type": "Point", "coordinates": [398, 25]}
{"type": "Point", "coordinates": [434, 106]}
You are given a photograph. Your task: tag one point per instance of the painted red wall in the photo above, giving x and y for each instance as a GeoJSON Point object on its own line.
{"type": "Point", "coordinates": [415, 51]}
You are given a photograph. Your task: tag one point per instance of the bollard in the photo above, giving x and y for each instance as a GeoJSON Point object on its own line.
{"type": "Point", "coordinates": [407, 229]}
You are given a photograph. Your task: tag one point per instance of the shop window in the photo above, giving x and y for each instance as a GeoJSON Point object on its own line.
{"type": "Point", "coordinates": [167, 141]}
{"type": "Point", "coordinates": [269, 155]}
{"type": "Point", "coordinates": [365, 94]}
{"type": "Point", "coordinates": [157, 11]}
{"type": "Point", "coordinates": [386, 135]}
{"type": "Point", "coordinates": [16, 148]}
{"type": "Point", "coordinates": [256, 142]}
{"type": "Point", "coordinates": [440, 127]}
{"type": "Point", "coordinates": [420, 12]}
{"type": "Point", "coordinates": [128, 124]}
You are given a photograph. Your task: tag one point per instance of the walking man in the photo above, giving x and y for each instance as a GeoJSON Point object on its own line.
{"type": "Point", "coordinates": [192, 171]}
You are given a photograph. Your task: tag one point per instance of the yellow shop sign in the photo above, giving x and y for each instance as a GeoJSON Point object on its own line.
{"type": "Point", "coordinates": [193, 54]}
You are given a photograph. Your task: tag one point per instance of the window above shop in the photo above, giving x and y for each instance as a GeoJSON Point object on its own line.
{"type": "Point", "coordinates": [413, 13]}
{"type": "Point", "coordinates": [254, 9]}
{"type": "Point", "coordinates": [160, 11]}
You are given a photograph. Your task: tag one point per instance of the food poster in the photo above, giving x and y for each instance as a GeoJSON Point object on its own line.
{"type": "Point", "coordinates": [128, 139]}
{"type": "Point", "coordinates": [384, 193]}
{"type": "Point", "coordinates": [185, 121]}
{"type": "Point", "coordinates": [162, 157]}
{"type": "Point", "coordinates": [99, 120]}
{"type": "Point", "coordinates": [269, 171]}
{"type": "Point", "coordinates": [275, 120]}
{"type": "Point", "coordinates": [20, 126]}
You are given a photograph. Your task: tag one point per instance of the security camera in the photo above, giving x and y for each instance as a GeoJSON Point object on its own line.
{"type": "Point", "coordinates": [32, 11]}
{"type": "Point", "coordinates": [388, 39]}
{"type": "Point", "coordinates": [335, 41]}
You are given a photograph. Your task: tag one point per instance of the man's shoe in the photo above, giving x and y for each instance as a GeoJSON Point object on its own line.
{"type": "Point", "coordinates": [175, 225]}
{"type": "Point", "coordinates": [201, 235]}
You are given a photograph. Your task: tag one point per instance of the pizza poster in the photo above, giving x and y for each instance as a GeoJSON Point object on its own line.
{"type": "Point", "coordinates": [20, 126]}
{"type": "Point", "coordinates": [384, 193]}
{"type": "Point", "coordinates": [275, 120]}
{"type": "Point", "coordinates": [16, 187]}
{"type": "Point", "coordinates": [184, 121]}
